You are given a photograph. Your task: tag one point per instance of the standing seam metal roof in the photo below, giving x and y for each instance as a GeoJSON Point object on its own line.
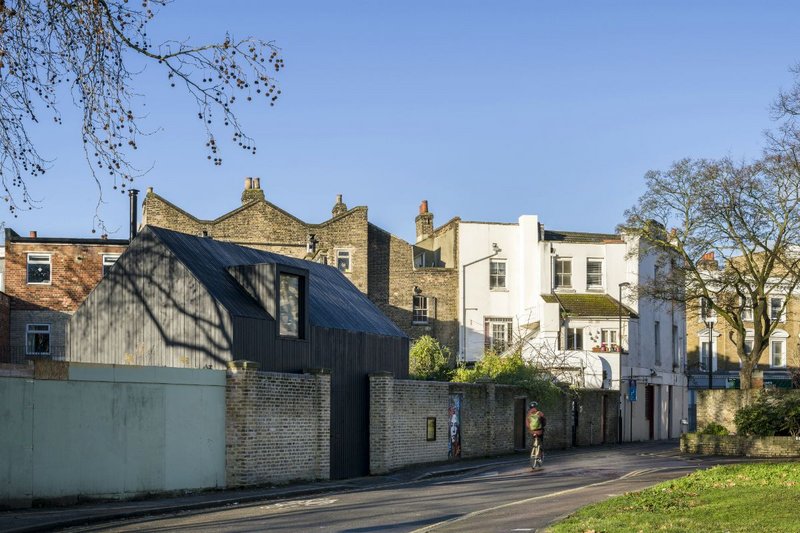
{"type": "Point", "coordinates": [333, 301]}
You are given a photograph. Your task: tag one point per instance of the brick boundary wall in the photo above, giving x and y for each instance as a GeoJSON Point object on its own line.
{"type": "Point", "coordinates": [720, 405]}
{"type": "Point", "coordinates": [277, 426]}
{"type": "Point", "coordinates": [399, 410]}
{"type": "Point", "coordinates": [740, 446]}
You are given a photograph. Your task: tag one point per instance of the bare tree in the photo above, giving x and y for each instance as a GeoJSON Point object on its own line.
{"type": "Point", "coordinates": [748, 216]}
{"type": "Point", "coordinates": [84, 48]}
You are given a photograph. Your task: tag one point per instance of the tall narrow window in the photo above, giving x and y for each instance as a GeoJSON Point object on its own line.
{"type": "Point", "coordinates": [497, 333]}
{"type": "Point", "coordinates": [676, 350]}
{"type": "Point", "coordinates": [497, 274]}
{"type": "Point", "coordinates": [423, 309]}
{"type": "Point", "coordinates": [108, 262]}
{"type": "Point", "coordinates": [37, 340]}
{"type": "Point", "coordinates": [706, 354]}
{"type": "Point", "coordinates": [343, 260]}
{"type": "Point", "coordinates": [747, 309]}
{"type": "Point", "coordinates": [563, 273]}
{"type": "Point", "coordinates": [38, 269]}
{"type": "Point", "coordinates": [594, 273]}
{"type": "Point", "coordinates": [574, 338]}
{"type": "Point", "coordinates": [706, 311]}
{"type": "Point", "coordinates": [775, 306]}
{"type": "Point", "coordinates": [291, 299]}
{"type": "Point", "coordinates": [778, 350]}
{"type": "Point", "coordinates": [657, 340]}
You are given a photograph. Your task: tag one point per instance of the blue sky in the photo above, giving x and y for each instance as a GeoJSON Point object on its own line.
{"type": "Point", "coordinates": [489, 110]}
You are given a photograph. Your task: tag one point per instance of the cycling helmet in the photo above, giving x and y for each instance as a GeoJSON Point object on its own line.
{"type": "Point", "coordinates": [533, 404]}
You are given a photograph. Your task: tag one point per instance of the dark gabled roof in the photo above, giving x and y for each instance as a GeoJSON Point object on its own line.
{"type": "Point", "coordinates": [333, 301]}
{"type": "Point", "coordinates": [588, 305]}
{"type": "Point", "coordinates": [580, 237]}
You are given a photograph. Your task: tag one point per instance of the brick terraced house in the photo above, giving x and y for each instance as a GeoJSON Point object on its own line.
{"type": "Point", "coordinates": [415, 285]}
{"type": "Point", "coordinates": [46, 279]}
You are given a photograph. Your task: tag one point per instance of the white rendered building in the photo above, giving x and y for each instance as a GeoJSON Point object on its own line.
{"type": "Point", "coordinates": [555, 296]}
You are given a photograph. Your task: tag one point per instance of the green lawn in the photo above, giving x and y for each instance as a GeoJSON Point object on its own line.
{"type": "Point", "coordinates": [753, 498]}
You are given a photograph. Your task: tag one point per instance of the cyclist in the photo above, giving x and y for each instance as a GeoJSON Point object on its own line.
{"type": "Point", "coordinates": [536, 421]}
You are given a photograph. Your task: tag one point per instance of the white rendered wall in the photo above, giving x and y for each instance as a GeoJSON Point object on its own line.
{"type": "Point", "coordinates": [475, 243]}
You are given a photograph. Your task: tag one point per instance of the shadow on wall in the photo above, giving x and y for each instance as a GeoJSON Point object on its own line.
{"type": "Point", "coordinates": [149, 310]}
{"type": "Point", "coordinates": [445, 331]}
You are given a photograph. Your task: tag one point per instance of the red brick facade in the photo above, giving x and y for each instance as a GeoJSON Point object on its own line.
{"type": "Point", "coordinates": [76, 267]}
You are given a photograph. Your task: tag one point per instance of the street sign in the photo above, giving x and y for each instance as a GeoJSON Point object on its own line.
{"type": "Point", "coordinates": [632, 389]}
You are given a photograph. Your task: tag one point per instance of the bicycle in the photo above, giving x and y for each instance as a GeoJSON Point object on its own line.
{"type": "Point", "coordinates": [536, 453]}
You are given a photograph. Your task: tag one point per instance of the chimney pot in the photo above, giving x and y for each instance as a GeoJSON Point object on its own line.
{"type": "Point", "coordinates": [248, 183]}
{"type": "Point", "coordinates": [256, 183]}
{"type": "Point", "coordinates": [32, 234]}
{"type": "Point", "coordinates": [338, 198]}
{"type": "Point", "coordinates": [423, 207]}
{"type": "Point", "coordinates": [149, 190]}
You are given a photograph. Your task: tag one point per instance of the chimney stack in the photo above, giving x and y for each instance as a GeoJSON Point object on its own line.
{"type": "Point", "coordinates": [424, 222]}
{"type": "Point", "coordinates": [339, 207]}
{"type": "Point", "coordinates": [32, 234]}
{"type": "Point", "coordinates": [252, 190]}
{"type": "Point", "coordinates": [134, 195]}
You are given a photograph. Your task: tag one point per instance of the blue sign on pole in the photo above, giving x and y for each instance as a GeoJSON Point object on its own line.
{"type": "Point", "coordinates": [632, 389]}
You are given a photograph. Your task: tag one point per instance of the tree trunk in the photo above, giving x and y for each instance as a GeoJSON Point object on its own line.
{"type": "Point", "coordinates": [746, 372]}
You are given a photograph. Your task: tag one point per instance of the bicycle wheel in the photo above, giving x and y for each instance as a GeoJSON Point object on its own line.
{"type": "Point", "coordinates": [536, 459]}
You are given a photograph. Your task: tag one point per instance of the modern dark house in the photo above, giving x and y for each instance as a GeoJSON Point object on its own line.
{"type": "Point", "coordinates": [178, 300]}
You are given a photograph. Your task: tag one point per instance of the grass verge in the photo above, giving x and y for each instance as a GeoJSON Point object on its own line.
{"type": "Point", "coordinates": [752, 497]}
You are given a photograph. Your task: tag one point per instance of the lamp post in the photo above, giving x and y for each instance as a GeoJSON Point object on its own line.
{"type": "Point", "coordinates": [624, 284]}
{"type": "Point", "coordinates": [496, 250]}
{"type": "Point", "coordinates": [709, 320]}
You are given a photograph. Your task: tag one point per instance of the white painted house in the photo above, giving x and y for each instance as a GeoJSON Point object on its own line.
{"type": "Point", "coordinates": [566, 299]}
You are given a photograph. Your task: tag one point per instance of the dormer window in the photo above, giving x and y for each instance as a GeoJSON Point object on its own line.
{"type": "Point", "coordinates": [290, 313]}
{"type": "Point", "coordinates": [291, 304]}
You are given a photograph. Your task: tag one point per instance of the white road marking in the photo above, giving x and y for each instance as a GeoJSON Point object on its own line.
{"type": "Point", "coordinates": [300, 503]}
{"type": "Point", "coordinates": [473, 514]}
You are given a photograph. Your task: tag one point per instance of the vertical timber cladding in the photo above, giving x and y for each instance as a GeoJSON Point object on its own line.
{"type": "Point", "coordinates": [351, 356]}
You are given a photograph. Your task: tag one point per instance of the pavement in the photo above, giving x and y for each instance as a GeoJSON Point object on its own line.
{"type": "Point", "coordinates": [54, 518]}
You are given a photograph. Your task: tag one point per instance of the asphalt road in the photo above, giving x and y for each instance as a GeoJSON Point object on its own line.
{"type": "Point", "coordinates": [503, 497]}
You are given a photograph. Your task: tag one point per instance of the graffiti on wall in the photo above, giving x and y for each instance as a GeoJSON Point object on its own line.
{"type": "Point", "coordinates": [454, 426]}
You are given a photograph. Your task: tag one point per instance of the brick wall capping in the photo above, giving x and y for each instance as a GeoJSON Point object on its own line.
{"type": "Point", "coordinates": [243, 365]}
{"type": "Point", "coordinates": [317, 371]}
{"type": "Point", "coordinates": [380, 374]}
{"type": "Point", "coordinates": [740, 446]}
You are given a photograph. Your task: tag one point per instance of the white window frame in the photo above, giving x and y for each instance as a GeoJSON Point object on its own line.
{"type": "Point", "coordinates": [657, 341]}
{"type": "Point", "coordinates": [494, 278]}
{"type": "Point", "coordinates": [109, 257]}
{"type": "Point", "coordinates": [489, 323]}
{"type": "Point", "coordinates": [703, 346]}
{"type": "Point", "coordinates": [782, 311]}
{"type": "Point", "coordinates": [422, 314]}
{"type": "Point", "coordinates": [340, 254]}
{"type": "Point", "coordinates": [556, 274]}
{"type": "Point", "coordinates": [780, 337]}
{"type": "Point", "coordinates": [702, 311]}
{"type": "Point", "coordinates": [779, 341]}
{"type": "Point", "coordinates": [747, 309]}
{"type": "Point", "coordinates": [608, 336]}
{"type": "Point", "coordinates": [49, 263]}
{"type": "Point", "coordinates": [29, 331]}
{"type": "Point", "coordinates": [576, 332]}
{"type": "Point", "coordinates": [595, 286]}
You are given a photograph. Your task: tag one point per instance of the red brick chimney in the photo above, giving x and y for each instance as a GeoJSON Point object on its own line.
{"type": "Point", "coordinates": [424, 222]}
